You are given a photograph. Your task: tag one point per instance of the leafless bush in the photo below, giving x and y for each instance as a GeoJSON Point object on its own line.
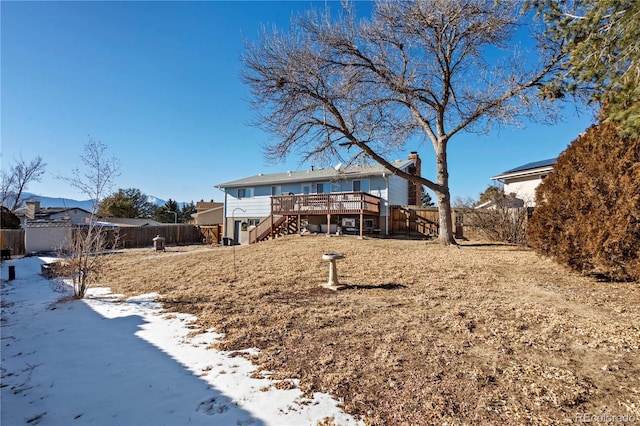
{"type": "Point", "coordinates": [89, 244]}
{"type": "Point", "coordinates": [500, 221]}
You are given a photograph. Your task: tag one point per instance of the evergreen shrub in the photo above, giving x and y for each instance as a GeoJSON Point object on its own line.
{"type": "Point", "coordinates": [588, 208]}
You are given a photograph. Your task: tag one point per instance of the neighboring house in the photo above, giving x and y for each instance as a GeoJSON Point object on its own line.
{"type": "Point", "coordinates": [49, 229]}
{"type": "Point", "coordinates": [208, 213]}
{"type": "Point", "coordinates": [523, 180]}
{"type": "Point", "coordinates": [354, 199]}
{"type": "Point", "coordinates": [32, 212]}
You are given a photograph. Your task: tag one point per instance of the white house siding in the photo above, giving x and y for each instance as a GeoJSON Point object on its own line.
{"type": "Point", "coordinates": [398, 191]}
{"type": "Point", "coordinates": [254, 207]}
{"type": "Point", "coordinates": [524, 188]}
{"type": "Point", "coordinates": [257, 207]}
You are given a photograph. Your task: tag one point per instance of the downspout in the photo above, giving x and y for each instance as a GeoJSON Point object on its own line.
{"type": "Point", "coordinates": [386, 225]}
{"type": "Point", "coordinates": [224, 212]}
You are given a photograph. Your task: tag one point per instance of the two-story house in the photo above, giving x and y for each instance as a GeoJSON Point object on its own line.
{"type": "Point", "coordinates": [523, 180]}
{"type": "Point", "coordinates": [352, 199]}
{"type": "Point", "coordinates": [208, 213]}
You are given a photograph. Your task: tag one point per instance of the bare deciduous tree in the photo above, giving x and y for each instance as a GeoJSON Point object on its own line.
{"type": "Point", "coordinates": [426, 69]}
{"type": "Point", "coordinates": [89, 242]}
{"type": "Point", "coordinates": [18, 179]}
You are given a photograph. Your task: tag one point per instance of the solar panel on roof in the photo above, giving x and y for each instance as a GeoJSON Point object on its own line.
{"type": "Point", "coordinates": [534, 165]}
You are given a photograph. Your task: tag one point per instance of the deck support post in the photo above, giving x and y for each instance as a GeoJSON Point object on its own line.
{"type": "Point", "coordinates": [328, 224]}
{"type": "Point", "coordinates": [361, 224]}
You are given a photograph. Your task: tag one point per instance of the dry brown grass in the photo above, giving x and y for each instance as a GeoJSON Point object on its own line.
{"type": "Point", "coordinates": [481, 334]}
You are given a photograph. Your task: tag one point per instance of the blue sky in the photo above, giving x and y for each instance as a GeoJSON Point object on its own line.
{"type": "Point", "coordinates": [158, 83]}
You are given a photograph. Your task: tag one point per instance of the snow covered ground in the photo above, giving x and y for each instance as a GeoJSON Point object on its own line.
{"type": "Point", "coordinates": [103, 362]}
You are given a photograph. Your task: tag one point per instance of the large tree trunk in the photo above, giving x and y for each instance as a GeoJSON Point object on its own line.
{"type": "Point", "coordinates": [446, 224]}
{"type": "Point", "coordinates": [444, 197]}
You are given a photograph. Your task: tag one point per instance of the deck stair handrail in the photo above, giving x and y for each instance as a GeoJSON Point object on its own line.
{"type": "Point", "coordinates": [263, 229]}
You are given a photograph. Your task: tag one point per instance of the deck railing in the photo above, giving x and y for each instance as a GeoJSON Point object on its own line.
{"type": "Point", "coordinates": [333, 203]}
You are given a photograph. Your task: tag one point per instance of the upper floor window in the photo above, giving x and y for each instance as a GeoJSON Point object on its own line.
{"type": "Point", "coordinates": [321, 187]}
{"type": "Point", "coordinates": [276, 190]}
{"type": "Point", "coordinates": [361, 185]}
{"type": "Point", "coordinates": [244, 193]}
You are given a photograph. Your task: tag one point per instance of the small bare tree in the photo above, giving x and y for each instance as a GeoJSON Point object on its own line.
{"type": "Point", "coordinates": [92, 240]}
{"type": "Point", "coordinates": [503, 218]}
{"type": "Point", "coordinates": [425, 69]}
{"type": "Point", "coordinates": [17, 180]}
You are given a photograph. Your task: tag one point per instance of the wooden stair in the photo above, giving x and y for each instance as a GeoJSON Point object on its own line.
{"type": "Point", "coordinates": [282, 225]}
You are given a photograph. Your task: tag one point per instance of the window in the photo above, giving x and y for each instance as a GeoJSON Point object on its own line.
{"type": "Point", "coordinates": [244, 192]}
{"type": "Point", "coordinates": [253, 222]}
{"type": "Point", "coordinates": [361, 185]}
{"type": "Point", "coordinates": [320, 188]}
{"type": "Point", "coordinates": [276, 190]}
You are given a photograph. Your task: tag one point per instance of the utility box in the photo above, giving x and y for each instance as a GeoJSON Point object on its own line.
{"type": "Point", "coordinates": [158, 243]}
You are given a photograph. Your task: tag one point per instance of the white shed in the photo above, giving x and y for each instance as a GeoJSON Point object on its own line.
{"type": "Point", "coordinates": [47, 236]}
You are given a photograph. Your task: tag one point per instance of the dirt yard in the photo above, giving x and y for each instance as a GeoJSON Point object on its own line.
{"type": "Point", "coordinates": [480, 334]}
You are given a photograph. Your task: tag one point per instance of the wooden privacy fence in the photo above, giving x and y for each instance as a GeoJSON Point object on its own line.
{"type": "Point", "coordinates": [134, 237]}
{"type": "Point", "coordinates": [211, 234]}
{"type": "Point", "coordinates": [420, 220]}
{"type": "Point", "coordinates": [128, 237]}
{"type": "Point", "coordinates": [12, 239]}
{"type": "Point", "coordinates": [414, 219]}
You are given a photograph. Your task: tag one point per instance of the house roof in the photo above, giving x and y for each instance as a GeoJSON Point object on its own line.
{"type": "Point", "coordinates": [528, 169]}
{"type": "Point", "coordinates": [120, 221]}
{"type": "Point", "coordinates": [203, 212]}
{"type": "Point", "coordinates": [204, 206]}
{"type": "Point", "coordinates": [45, 212]}
{"type": "Point", "coordinates": [332, 173]}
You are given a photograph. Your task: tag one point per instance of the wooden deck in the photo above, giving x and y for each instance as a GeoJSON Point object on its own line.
{"type": "Point", "coordinates": [287, 211]}
{"type": "Point", "coordinates": [323, 204]}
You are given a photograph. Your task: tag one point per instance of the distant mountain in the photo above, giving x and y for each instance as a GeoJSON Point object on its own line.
{"type": "Point", "coordinates": [57, 202]}
{"type": "Point", "coordinates": [68, 202]}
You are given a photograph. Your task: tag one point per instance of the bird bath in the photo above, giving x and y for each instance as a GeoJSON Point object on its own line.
{"type": "Point", "coordinates": [333, 283]}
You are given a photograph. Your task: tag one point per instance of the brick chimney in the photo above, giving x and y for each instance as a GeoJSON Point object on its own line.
{"type": "Point", "coordinates": [415, 190]}
{"type": "Point", "coordinates": [32, 208]}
